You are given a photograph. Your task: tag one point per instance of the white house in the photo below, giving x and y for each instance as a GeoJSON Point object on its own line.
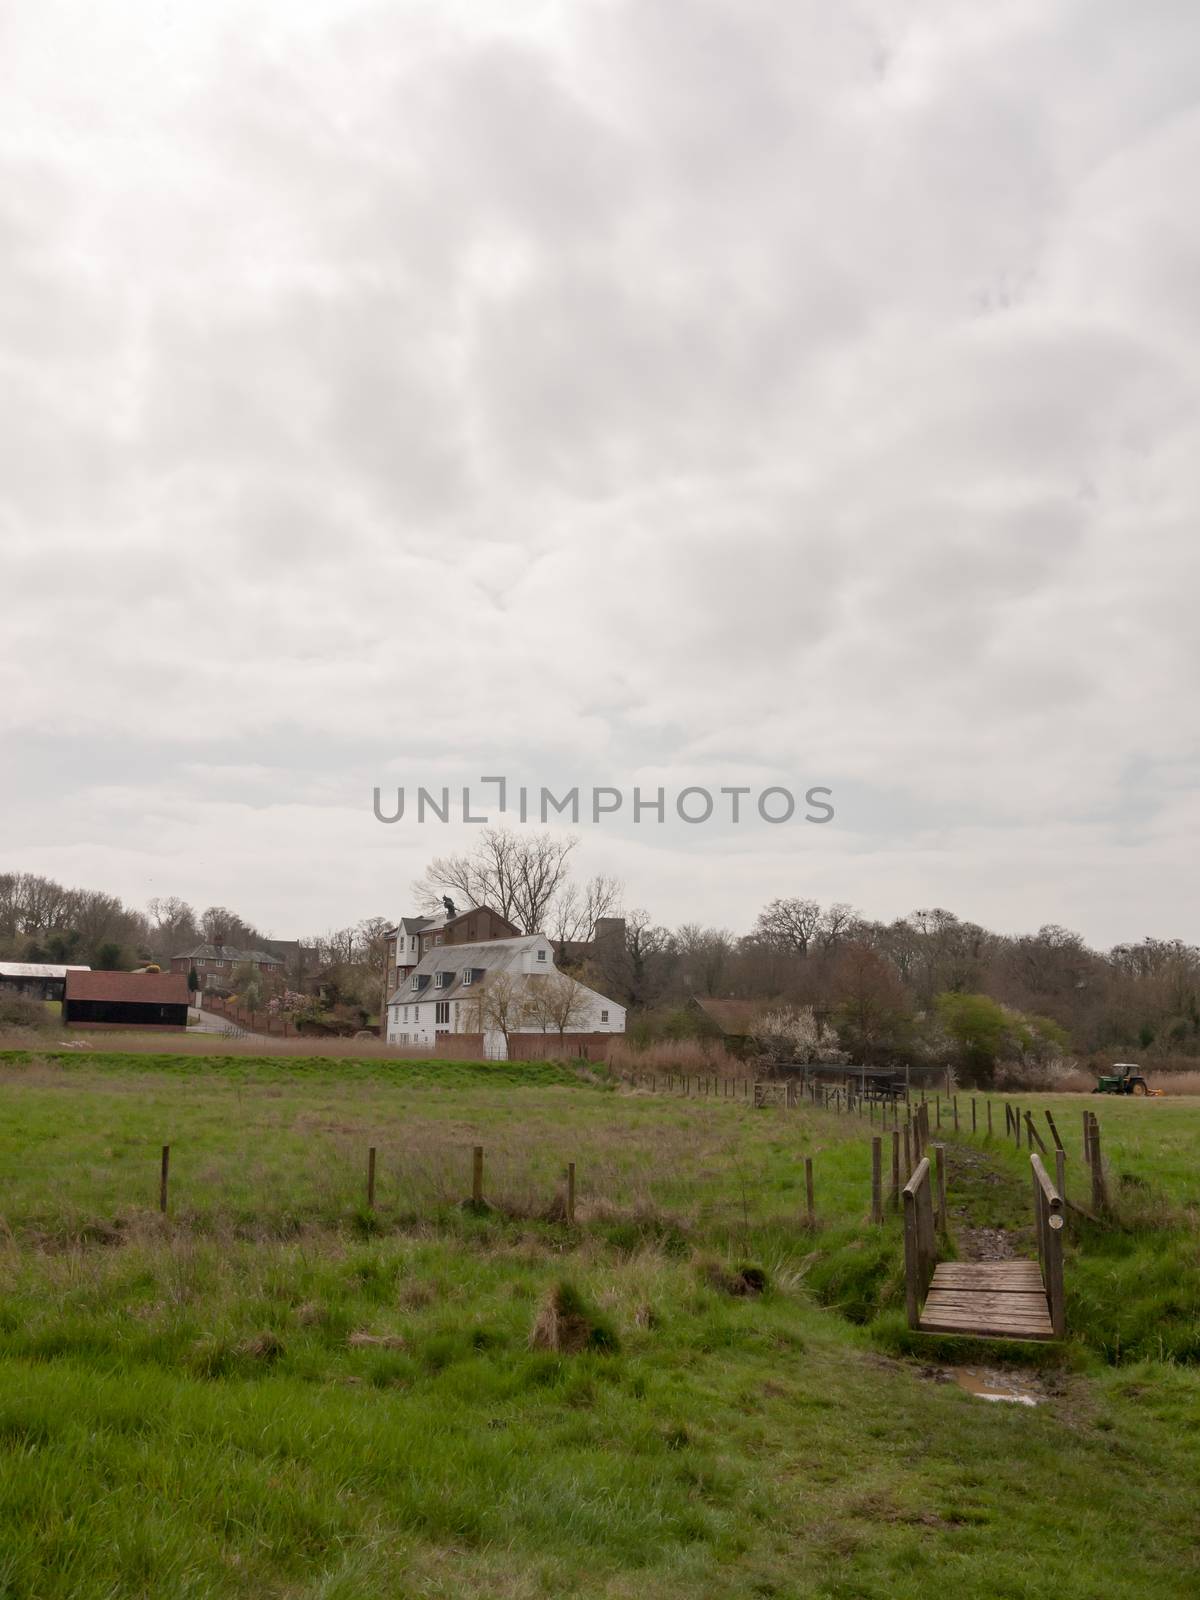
{"type": "Point", "coordinates": [443, 994]}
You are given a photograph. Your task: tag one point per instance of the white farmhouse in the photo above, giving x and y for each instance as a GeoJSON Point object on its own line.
{"type": "Point", "coordinates": [445, 993]}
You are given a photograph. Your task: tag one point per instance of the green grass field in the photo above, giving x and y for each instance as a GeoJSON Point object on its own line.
{"type": "Point", "coordinates": [273, 1391]}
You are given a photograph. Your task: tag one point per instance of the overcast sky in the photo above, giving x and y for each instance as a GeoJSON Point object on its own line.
{"type": "Point", "coordinates": [614, 391]}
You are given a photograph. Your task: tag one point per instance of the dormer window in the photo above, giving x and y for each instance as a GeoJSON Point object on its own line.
{"type": "Point", "coordinates": [416, 982]}
{"type": "Point", "coordinates": [442, 980]}
{"type": "Point", "coordinates": [468, 975]}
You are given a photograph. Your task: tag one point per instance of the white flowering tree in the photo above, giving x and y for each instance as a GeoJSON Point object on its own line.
{"type": "Point", "coordinates": [794, 1033]}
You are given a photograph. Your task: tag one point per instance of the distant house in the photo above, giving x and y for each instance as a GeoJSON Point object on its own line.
{"type": "Point", "coordinates": [126, 1000]}
{"type": "Point", "coordinates": [214, 963]}
{"type": "Point", "coordinates": [414, 937]}
{"type": "Point", "coordinates": [441, 996]}
{"type": "Point", "coordinates": [37, 980]}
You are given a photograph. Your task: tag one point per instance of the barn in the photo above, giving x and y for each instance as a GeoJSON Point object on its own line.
{"type": "Point", "coordinates": [36, 980]}
{"type": "Point", "coordinates": [126, 1000]}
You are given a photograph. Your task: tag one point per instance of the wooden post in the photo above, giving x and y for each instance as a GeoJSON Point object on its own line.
{"type": "Point", "coordinates": [371, 1178]}
{"type": "Point", "coordinates": [1053, 1126]}
{"type": "Point", "coordinates": [570, 1193]}
{"type": "Point", "coordinates": [477, 1176]}
{"type": "Point", "coordinates": [973, 1124]}
{"type": "Point", "coordinates": [939, 1151]}
{"type": "Point", "coordinates": [1031, 1134]}
{"type": "Point", "coordinates": [164, 1173]}
{"type": "Point", "coordinates": [912, 1258]}
{"type": "Point", "coordinates": [908, 1160]}
{"type": "Point", "coordinates": [895, 1168]}
{"type": "Point", "coordinates": [876, 1179]}
{"type": "Point", "coordinates": [1087, 1143]}
{"type": "Point", "coordinates": [1060, 1171]}
{"type": "Point", "coordinates": [937, 1106]}
{"type": "Point", "coordinates": [1099, 1193]}
{"type": "Point", "coordinates": [808, 1191]}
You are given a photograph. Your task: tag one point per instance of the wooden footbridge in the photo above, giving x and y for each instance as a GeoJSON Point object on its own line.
{"type": "Point", "coordinates": [983, 1299]}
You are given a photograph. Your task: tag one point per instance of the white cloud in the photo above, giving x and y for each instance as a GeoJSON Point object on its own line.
{"type": "Point", "coordinates": [596, 389]}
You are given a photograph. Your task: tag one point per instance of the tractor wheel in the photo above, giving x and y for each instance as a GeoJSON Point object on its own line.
{"type": "Point", "coordinates": [1140, 1088]}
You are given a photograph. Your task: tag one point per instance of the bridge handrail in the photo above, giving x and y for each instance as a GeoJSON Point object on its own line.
{"type": "Point", "coordinates": [1048, 1215]}
{"type": "Point", "coordinates": [920, 1244]}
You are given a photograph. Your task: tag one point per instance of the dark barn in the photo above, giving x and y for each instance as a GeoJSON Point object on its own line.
{"type": "Point", "coordinates": [126, 1000]}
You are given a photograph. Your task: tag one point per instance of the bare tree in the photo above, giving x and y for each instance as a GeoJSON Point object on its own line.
{"type": "Point", "coordinates": [499, 1005]}
{"type": "Point", "coordinates": [577, 909]}
{"type": "Point", "coordinates": [517, 874]}
{"type": "Point", "coordinates": [556, 1003]}
{"type": "Point", "coordinates": [172, 926]}
{"type": "Point", "coordinates": [789, 924]}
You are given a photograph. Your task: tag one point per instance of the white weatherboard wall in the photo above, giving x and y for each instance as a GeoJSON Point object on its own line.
{"type": "Point", "coordinates": [436, 999]}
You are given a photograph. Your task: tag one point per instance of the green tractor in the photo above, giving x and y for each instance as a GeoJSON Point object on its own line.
{"type": "Point", "coordinates": [1123, 1079]}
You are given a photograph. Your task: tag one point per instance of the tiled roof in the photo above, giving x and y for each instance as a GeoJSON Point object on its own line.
{"type": "Point", "coordinates": [147, 988]}
{"type": "Point", "coordinates": [226, 952]}
{"type": "Point", "coordinates": [492, 955]}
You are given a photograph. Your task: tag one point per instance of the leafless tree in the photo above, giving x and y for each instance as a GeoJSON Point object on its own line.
{"type": "Point", "coordinates": [500, 1005]}
{"type": "Point", "coordinates": [517, 874]}
{"type": "Point", "coordinates": [577, 908]}
{"type": "Point", "coordinates": [556, 1003]}
{"type": "Point", "coordinates": [790, 924]}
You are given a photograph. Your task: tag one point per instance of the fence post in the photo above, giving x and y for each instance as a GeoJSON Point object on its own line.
{"type": "Point", "coordinates": [1099, 1193]}
{"type": "Point", "coordinates": [477, 1176]}
{"type": "Point", "coordinates": [164, 1173]}
{"type": "Point", "coordinates": [1031, 1134]}
{"type": "Point", "coordinates": [1087, 1146]}
{"type": "Point", "coordinates": [371, 1178]}
{"type": "Point", "coordinates": [1053, 1126]}
{"type": "Point", "coordinates": [1060, 1171]}
{"type": "Point", "coordinates": [895, 1168]}
{"type": "Point", "coordinates": [908, 1161]}
{"type": "Point", "coordinates": [570, 1192]}
{"type": "Point", "coordinates": [876, 1179]}
{"type": "Point", "coordinates": [939, 1151]}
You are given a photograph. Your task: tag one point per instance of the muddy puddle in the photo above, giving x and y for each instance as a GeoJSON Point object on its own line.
{"type": "Point", "coordinates": [987, 1384]}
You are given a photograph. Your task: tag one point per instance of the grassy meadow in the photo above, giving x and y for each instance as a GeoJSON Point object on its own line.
{"type": "Point", "coordinates": [273, 1390]}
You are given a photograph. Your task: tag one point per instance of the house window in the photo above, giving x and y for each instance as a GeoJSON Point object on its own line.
{"type": "Point", "coordinates": [412, 943]}
{"type": "Point", "coordinates": [468, 975]}
{"type": "Point", "coordinates": [438, 940]}
{"type": "Point", "coordinates": [442, 981]}
{"type": "Point", "coordinates": [441, 1012]}
{"type": "Point", "coordinates": [541, 955]}
{"type": "Point", "coordinates": [406, 1013]}
{"type": "Point", "coordinates": [604, 1016]}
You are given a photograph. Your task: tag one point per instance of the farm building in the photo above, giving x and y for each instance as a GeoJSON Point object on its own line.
{"type": "Point", "coordinates": [452, 990]}
{"type": "Point", "coordinates": [37, 980]}
{"type": "Point", "coordinates": [126, 1000]}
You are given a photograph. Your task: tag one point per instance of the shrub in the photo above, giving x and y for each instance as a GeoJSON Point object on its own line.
{"type": "Point", "coordinates": [19, 1011]}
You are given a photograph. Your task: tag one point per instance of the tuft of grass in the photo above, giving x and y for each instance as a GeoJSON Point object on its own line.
{"type": "Point", "coordinates": [567, 1325]}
